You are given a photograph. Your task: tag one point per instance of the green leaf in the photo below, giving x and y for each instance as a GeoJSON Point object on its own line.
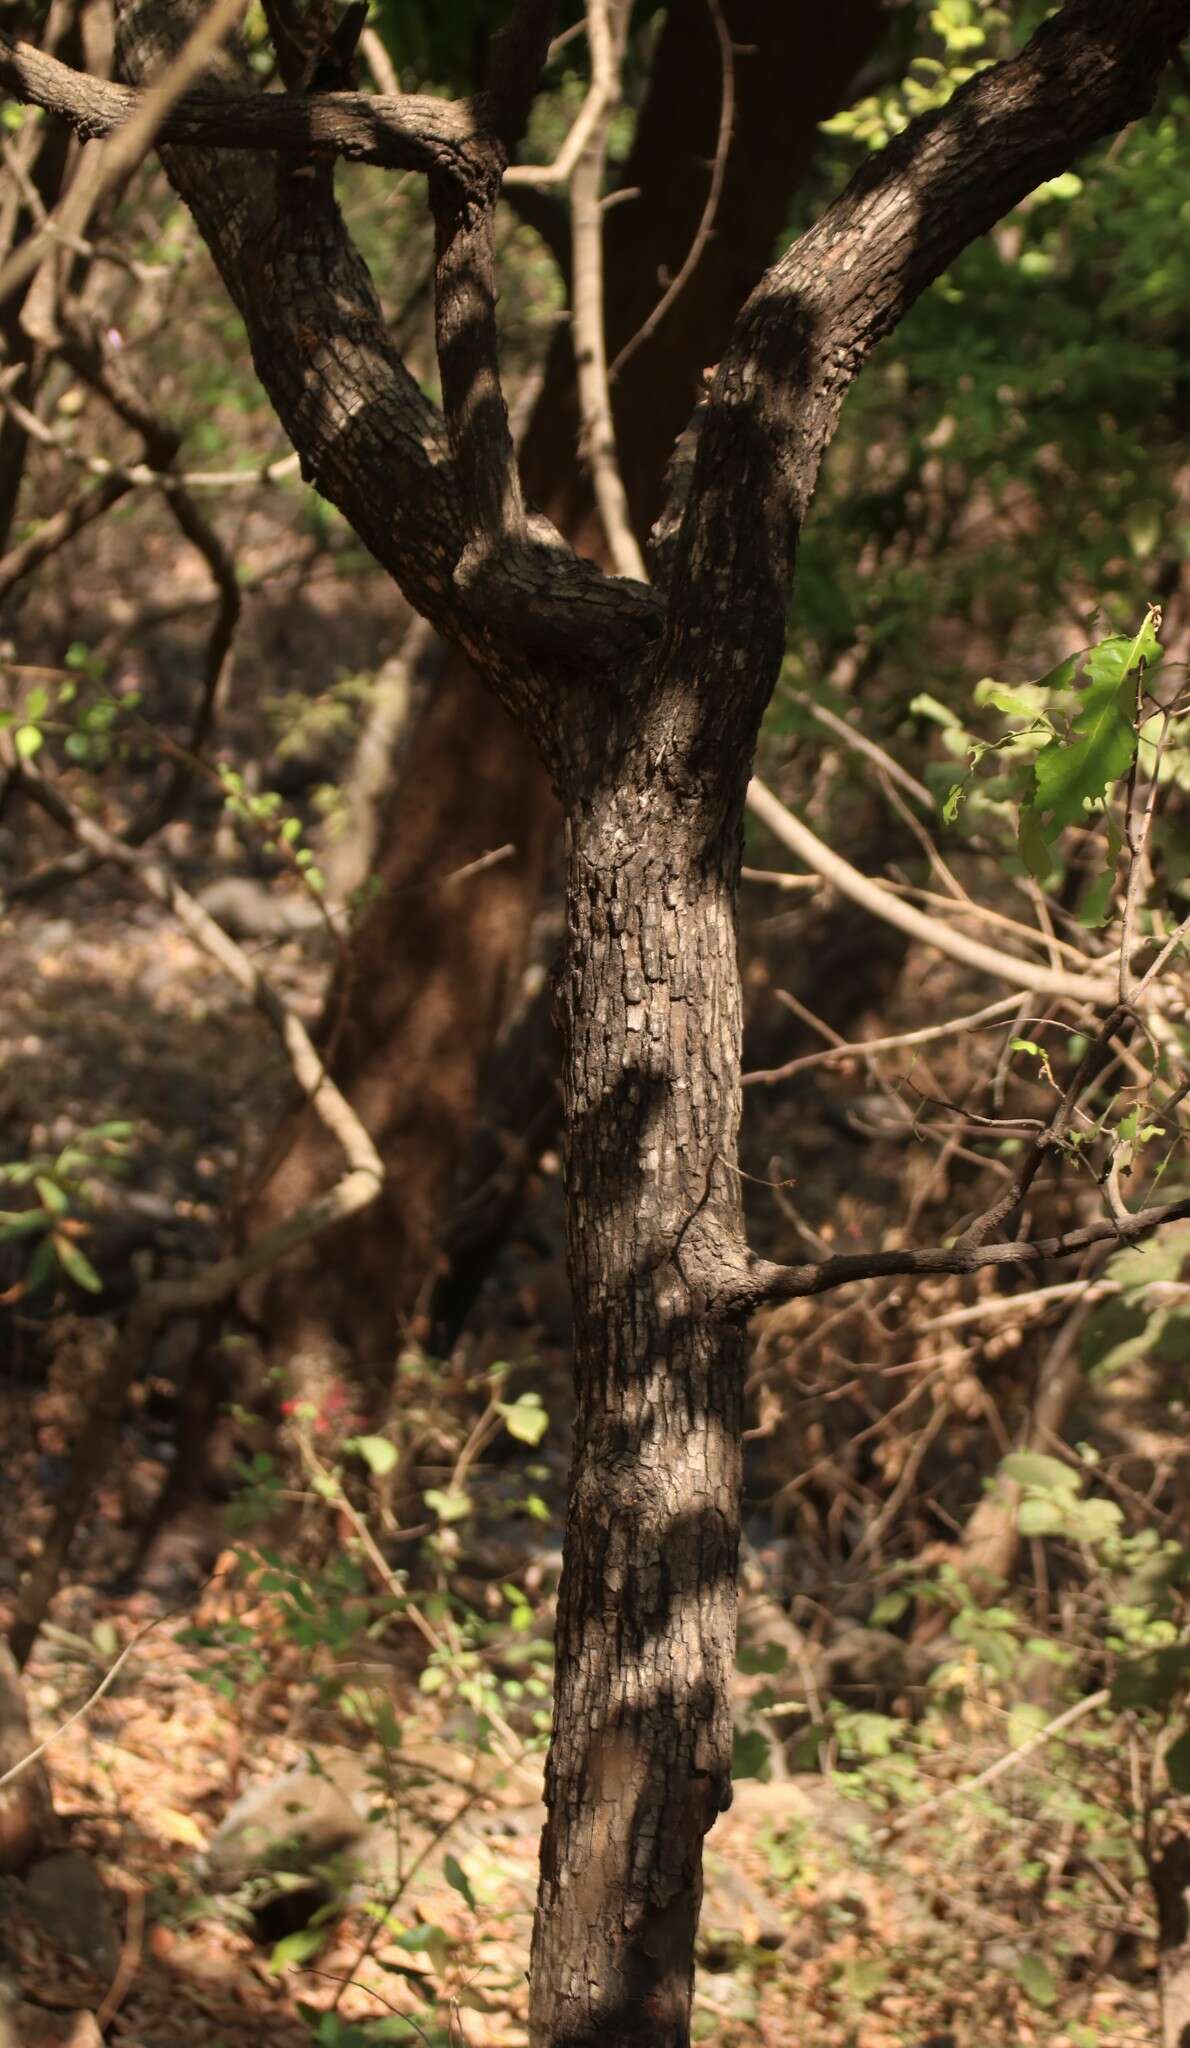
{"type": "Point", "coordinates": [455, 1875]}
{"type": "Point", "coordinates": [525, 1419]}
{"type": "Point", "coordinates": [1177, 1762]}
{"type": "Point", "coordinates": [41, 1267]}
{"type": "Point", "coordinates": [1031, 840]}
{"type": "Point", "coordinates": [1004, 700]}
{"type": "Point", "coordinates": [448, 1506]}
{"type": "Point", "coordinates": [1037, 1980]}
{"type": "Point", "coordinates": [750, 1754]}
{"type": "Point", "coordinates": [376, 1451]}
{"type": "Point", "coordinates": [21, 1223]}
{"type": "Point", "coordinates": [1096, 905]}
{"type": "Point", "coordinates": [1033, 1468]}
{"type": "Point", "coordinates": [297, 1948]}
{"type": "Point", "coordinates": [27, 739]}
{"type": "Point", "coordinates": [53, 1197]}
{"type": "Point", "coordinates": [929, 707]}
{"type": "Point", "coordinates": [1038, 1517]}
{"type": "Point", "coordinates": [76, 1265]}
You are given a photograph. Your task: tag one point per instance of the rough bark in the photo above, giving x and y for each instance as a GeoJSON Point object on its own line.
{"type": "Point", "coordinates": [438, 968]}
{"type": "Point", "coordinates": [646, 709]}
{"type": "Point", "coordinates": [641, 1761]}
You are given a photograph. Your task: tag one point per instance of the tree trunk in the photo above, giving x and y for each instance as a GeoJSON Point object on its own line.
{"type": "Point", "coordinates": [640, 1765]}
{"type": "Point", "coordinates": [1170, 1874]}
{"type": "Point", "coordinates": [438, 971]}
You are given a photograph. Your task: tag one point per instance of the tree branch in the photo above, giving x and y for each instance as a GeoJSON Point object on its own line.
{"type": "Point", "coordinates": [407, 132]}
{"type": "Point", "coordinates": [934, 931]}
{"type": "Point", "coordinates": [814, 319]}
{"type": "Point", "coordinates": [736, 1285]}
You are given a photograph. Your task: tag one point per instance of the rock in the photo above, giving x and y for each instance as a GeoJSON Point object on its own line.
{"type": "Point", "coordinates": [37, 2028]}
{"type": "Point", "coordinates": [67, 1901]}
{"type": "Point", "coordinates": [26, 1806]}
{"type": "Point", "coordinates": [290, 1824]}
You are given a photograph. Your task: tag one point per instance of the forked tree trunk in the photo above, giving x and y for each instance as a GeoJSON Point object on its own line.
{"type": "Point", "coordinates": [438, 970]}
{"type": "Point", "coordinates": [641, 1761]}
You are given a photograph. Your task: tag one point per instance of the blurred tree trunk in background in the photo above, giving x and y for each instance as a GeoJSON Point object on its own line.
{"type": "Point", "coordinates": [438, 968]}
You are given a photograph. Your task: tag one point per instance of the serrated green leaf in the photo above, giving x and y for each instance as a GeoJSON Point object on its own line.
{"type": "Point", "coordinates": [1074, 771]}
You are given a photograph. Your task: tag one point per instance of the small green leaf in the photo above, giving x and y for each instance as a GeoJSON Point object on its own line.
{"type": "Point", "coordinates": [1038, 1517]}
{"type": "Point", "coordinates": [376, 1451]}
{"type": "Point", "coordinates": [53, 1197]}
{"type": "Point", "coordinates": [1037, 1980]}
{"type": "Point", "coordinates": [75, 1265]}
{"type": "Point", "coordinates": [525, 1419]}
{"type": "Point", "coordinates": [297, 1948]}
{"type": "Point", "coordinates": [27, 739]}
{"type": "Point", "coordinates": [21, 1223]}
{"type": "Point", "coordinates": [1096, 905]}
{"type": "Point", "coordinates": [449, 1506]}
{"type": "Point", "coordinates": [455, 1875]}
{"type": "Point", "coordinates": [1033, 1468]}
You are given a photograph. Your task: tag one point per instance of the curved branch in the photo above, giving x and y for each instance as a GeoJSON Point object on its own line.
{"type": "Point", "coordinates": [881, 902]}
{"type": "Point", "coordinates": [408, 131]}
{"type": "Point", "coordinates": [812, 322]}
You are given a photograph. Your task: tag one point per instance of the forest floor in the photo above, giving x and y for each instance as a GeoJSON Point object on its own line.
{"type": "Point", "coordinates": [811, 1930]}
{"type": "Point", "coordinates": [987, 1924]}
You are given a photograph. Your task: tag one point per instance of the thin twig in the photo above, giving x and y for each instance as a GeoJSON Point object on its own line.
{"type": "Point", "coordinates": [705, 228]}
{"type": "Point", "coordinates": [1000, 1768]}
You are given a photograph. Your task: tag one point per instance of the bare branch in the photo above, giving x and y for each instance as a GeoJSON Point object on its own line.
{"type": "Point", "coordinates": [874, 897]}
{"type": "Point", "coordinates": [26, 72]}
{"type": "Point", "coordinates": [812, 322]}
{"type": "Point", "coordinates": [412, 132]}
{"type": "Point", "coordinates": [705, 228]}
{"type": "Point", "coordinates": [607, 28]}
{"type": "Point", "coordinates": [864, 1048]}
{"type": "Point", "coordinates": [736, 1285]}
